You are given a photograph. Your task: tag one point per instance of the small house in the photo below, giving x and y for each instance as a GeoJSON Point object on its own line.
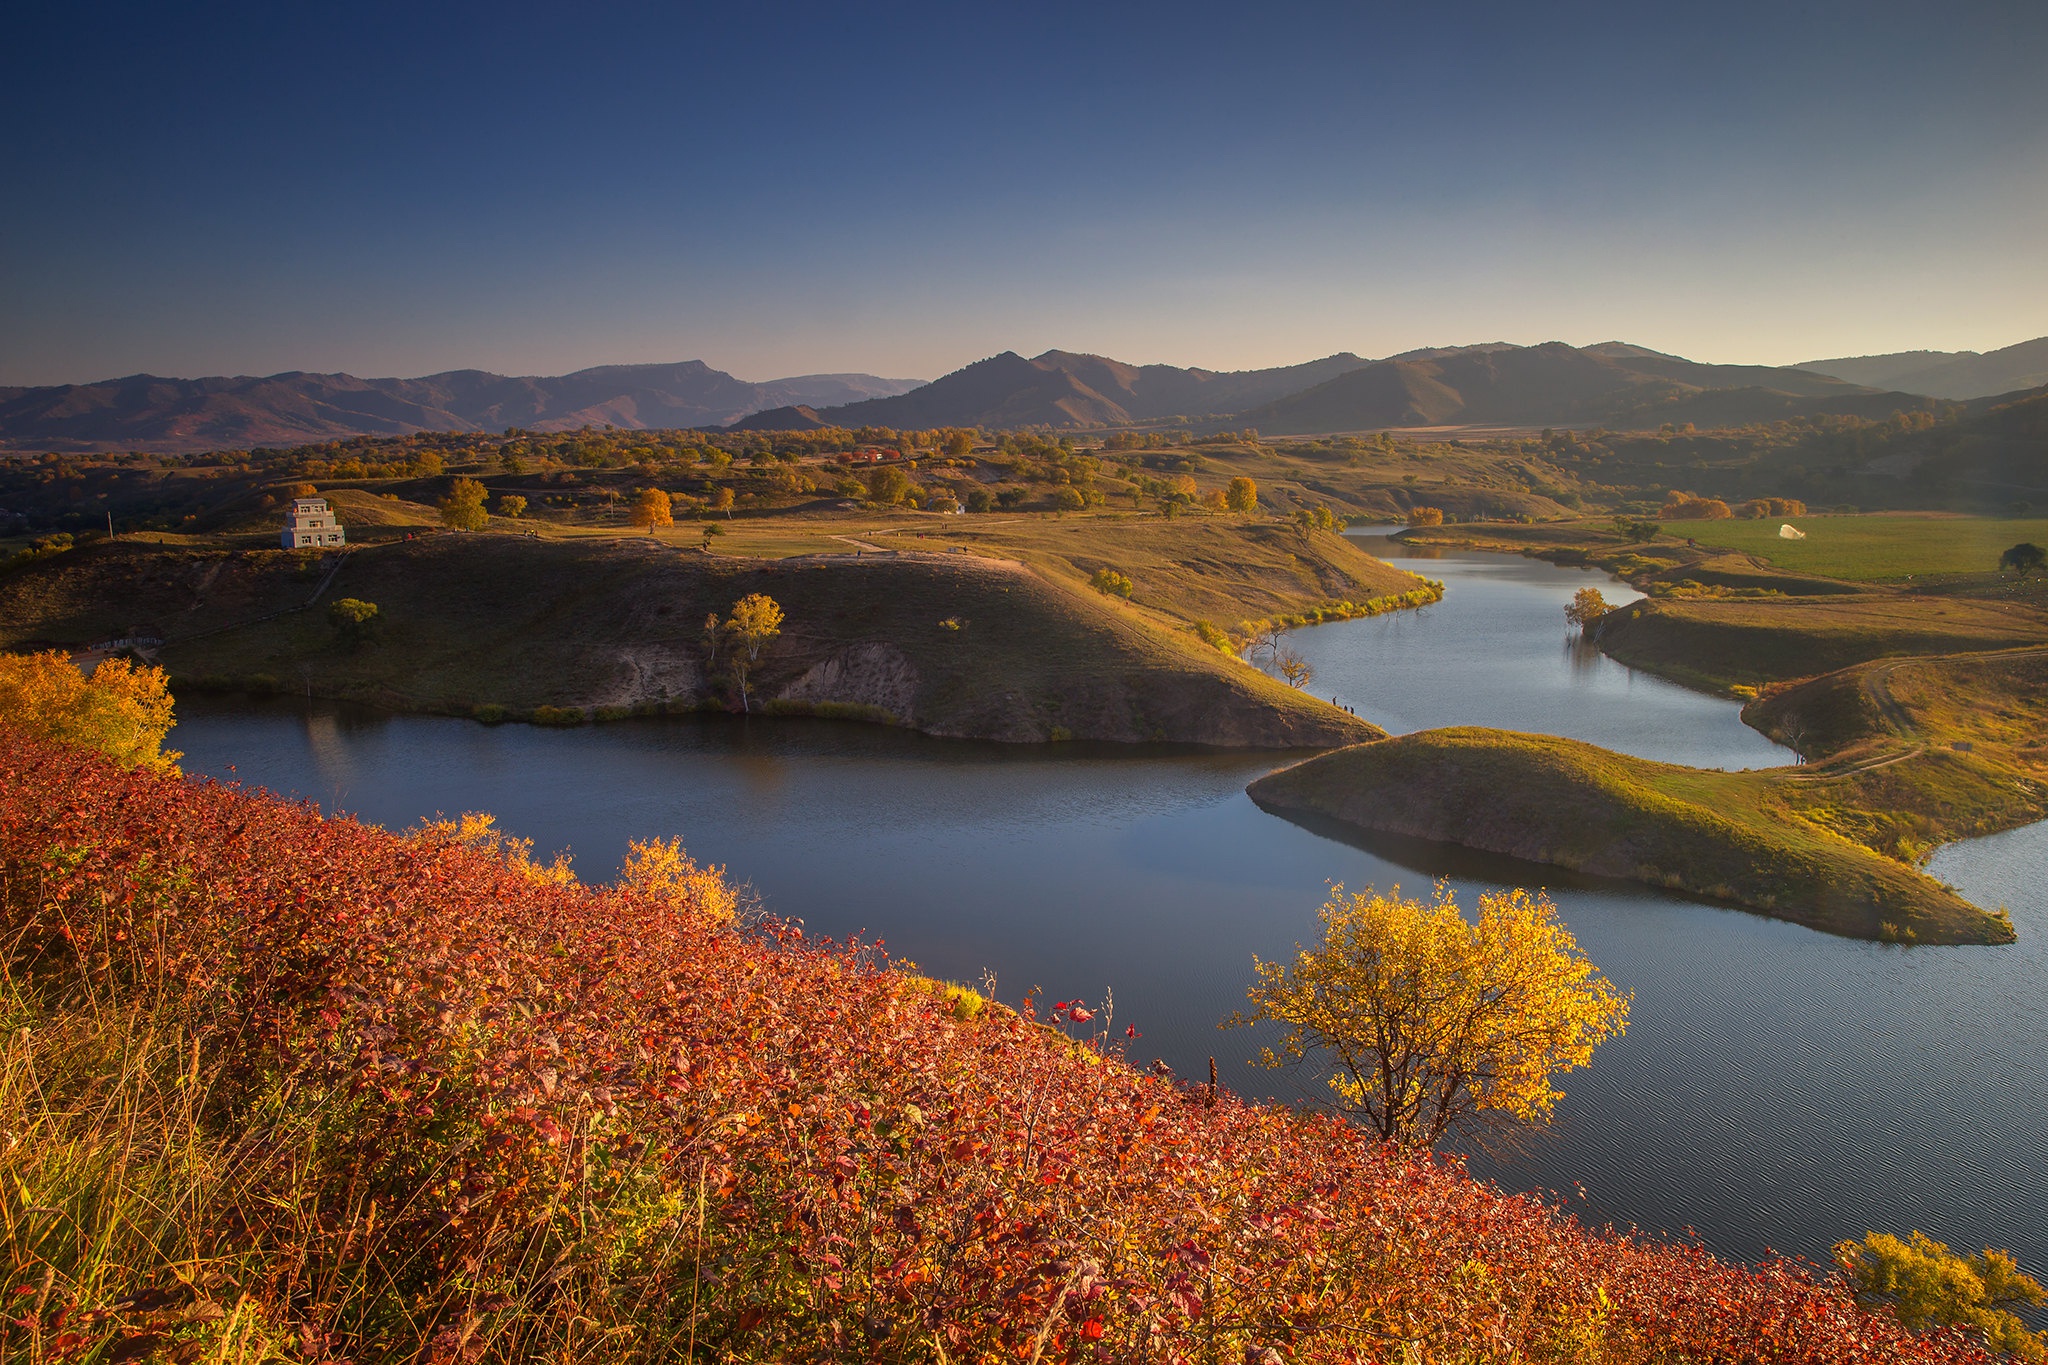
{"type": "Point", "coordinates": [311, 523]}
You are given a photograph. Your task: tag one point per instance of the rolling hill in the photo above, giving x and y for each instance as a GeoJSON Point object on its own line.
{"type": "Point", "coordinates": [1613, 384]}
{"type": "Point", "coordinates": [146, 412]}
{"type": "Point", "coordinates": [1946, 374]}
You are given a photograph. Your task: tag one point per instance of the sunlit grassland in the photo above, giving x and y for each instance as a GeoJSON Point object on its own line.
{"type": "Point", "coordinates": [1872, 548]}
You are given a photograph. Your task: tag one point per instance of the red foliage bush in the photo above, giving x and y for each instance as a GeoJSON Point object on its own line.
{"type": "Point", "coordinates": [600, 1124]}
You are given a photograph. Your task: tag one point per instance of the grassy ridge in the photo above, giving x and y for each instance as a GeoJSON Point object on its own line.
{"type": "Point", "coordinates": [949, 644]}
{"type": "Point", "coordinates": [1733, 836]}
{"type": "Point", "coordinates": [395, 1099]}
{"type": "Point", "coordinates": [1722, 643]}
{"type": "Point", "coordinates": [1228, 572]}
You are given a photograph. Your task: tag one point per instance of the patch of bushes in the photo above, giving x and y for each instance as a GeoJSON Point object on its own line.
{"type": "Point", "coordinates": [398, 1098]}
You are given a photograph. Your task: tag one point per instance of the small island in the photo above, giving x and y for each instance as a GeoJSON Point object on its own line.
{"type": "Point", "coordinates": [1734, 837]}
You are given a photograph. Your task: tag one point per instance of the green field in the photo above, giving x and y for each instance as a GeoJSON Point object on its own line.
{"type": "Point", "coordinates": [1871, 548]}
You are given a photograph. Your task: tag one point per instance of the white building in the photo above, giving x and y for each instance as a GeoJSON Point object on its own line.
{"type": "Point", "coordinates": [311, 522]}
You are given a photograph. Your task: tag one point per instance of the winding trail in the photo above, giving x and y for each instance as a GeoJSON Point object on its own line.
{"type": "Point", "coordinates": [1876, 684]}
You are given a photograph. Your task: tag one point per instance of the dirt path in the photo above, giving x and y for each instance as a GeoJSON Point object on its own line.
{"type": "Point", "coordinates": [1877, 687]}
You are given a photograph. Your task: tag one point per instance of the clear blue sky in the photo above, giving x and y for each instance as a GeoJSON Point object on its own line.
{"type": "Point", "coordinates": [781, 188]}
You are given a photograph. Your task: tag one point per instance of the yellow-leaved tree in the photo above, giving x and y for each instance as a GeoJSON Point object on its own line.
{"type": "Point", "coordinates": [1433, 1024]}
{"type": "Point", "coordinates": [1587, 607]}
{"type": "Point", "coordinates": [660, 867]}
{"type": "Point", "coordinates": [123, 710]}
{"type": "Point", "coordinates": [653, 508]}
{"type": "Point", "coordinates": [756, 619]}
{"type": "Point", "coordinates": [1927, 1286]}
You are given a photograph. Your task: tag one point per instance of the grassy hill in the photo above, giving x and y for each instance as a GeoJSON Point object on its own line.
{"type": "Point", "coordinates": [951, 644]}
{"type": "Point", "coordinates": [1733, 836]}
{"type": "Point", "coordinates": [282, 1088]}
{"type": "Point", "coordinates": [1722, 642]}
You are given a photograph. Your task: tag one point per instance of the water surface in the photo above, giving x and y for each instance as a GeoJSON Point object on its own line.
{"type": "Point", "coordinates": [1776, 1088]}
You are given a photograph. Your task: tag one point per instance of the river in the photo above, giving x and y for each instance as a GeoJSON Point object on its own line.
{"type": "Point", "coordinates": [1777, 1087]}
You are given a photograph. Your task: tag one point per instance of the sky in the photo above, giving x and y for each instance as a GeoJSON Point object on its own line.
{"type": "Point", "coordinates": [787, 188]}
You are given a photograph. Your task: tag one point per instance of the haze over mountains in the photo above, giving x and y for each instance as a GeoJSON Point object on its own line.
{"type": "Point", "coordinates": [1946, 374]}
{"type": "Point", "coordinates": [144, 412]}
{"type": "Point", "coordinates": [1613, 384]}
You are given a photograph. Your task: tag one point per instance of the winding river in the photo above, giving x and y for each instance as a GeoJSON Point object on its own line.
{"type": "Point", "coordinates": [1777, 1088]}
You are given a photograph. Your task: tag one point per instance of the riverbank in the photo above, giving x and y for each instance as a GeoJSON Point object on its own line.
{"type": "Point", "coordinates": [1917, 691]}
{"type": "Point", "coordinates": [581, 628]}
{"type": "Point", "coordinates": [1734, 837]}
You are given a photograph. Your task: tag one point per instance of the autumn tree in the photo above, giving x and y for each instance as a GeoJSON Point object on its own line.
{"type": "Point", "coordinates": [888, 486]}
{"type": "Point", "coordinates": [1587, 606]}
{"type": "Point", "coordinates": [722, 500]}
{"type": "Point", "coordinates": [511, 505]}
{"type": "Point", "coordinates": [463, 508]}
{"type": "Point", "coordinates": [353, 620]}
{"type": "Point", "coordinates": [1111, 583]}
{"type": "Point", "coordinates": [1242, 495]}
{"type": "Point", "coordinates": [123, 710]}
{"type": "Point", "coordinates": [1425, 516]}
{"type": "Point", "coordinates": [714, 631]}
{"type": "Point", "coordinates": [1927, 1286]}
{"type": "Point", "coordinates": [756, 619]}
{"type": "Point", "coordinates": [1297, 671]}
{"type": "Point", "coordinates": [959, 444]}
{"type": "Point", "coordinates": [1067, 498]}
{"type": "Point", "coordinates": [652, 509]}
{"type": "Point", "coordinates": [1432, 1024]}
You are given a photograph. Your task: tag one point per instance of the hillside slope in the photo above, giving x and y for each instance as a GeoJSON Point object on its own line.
{"type": "Point", "coordinates": [298, 1089]}
{"type": "Point", "coordinates": [953, 645]}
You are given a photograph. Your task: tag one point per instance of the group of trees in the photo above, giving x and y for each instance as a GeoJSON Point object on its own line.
{"type": "Point", "coordinates": [1689, 507]}
{"type": "Point", "coordinates": [122, 709]}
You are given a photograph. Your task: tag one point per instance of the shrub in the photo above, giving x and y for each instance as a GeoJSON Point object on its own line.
{"type": "Point", "coordinates": [557, 715]}
{"type": "Point", "coordinates": [1111, 583]}
{"type": "Point", "coordinates": [398, 1098]}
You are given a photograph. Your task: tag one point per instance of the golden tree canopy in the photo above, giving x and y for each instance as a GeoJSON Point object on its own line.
{"type": "Point", "coordinates": [1926, 1285]}
{"type": "Point", "coordinates": [652, 508]}
{"type": "Point", "coordinates": [1434, 1024]}
{"type": "Point", "coordinates": [1242, 495]}
{"type": "Point", "coordinates": [756, 619]}
{"type": "Point", "coordinates": [122, 710]}
{"type": "Point", "coordinates": [463, 508]}
{"type": "Point", "coordinates": [1587, 606]}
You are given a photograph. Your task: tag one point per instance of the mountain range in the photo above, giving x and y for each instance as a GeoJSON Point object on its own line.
{"type": "Point", "coordinates": [1613, 384]}
{"type": "Point", "coordinates": [145, 412]}
{"type": "Point", "coordinates": [1946, 374]}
